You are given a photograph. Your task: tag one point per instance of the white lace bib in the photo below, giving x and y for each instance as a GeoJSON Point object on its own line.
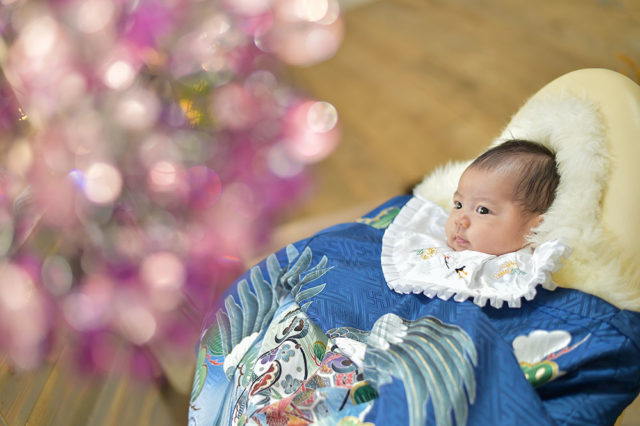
{"type": "Point", "coordinates": [416, 259]}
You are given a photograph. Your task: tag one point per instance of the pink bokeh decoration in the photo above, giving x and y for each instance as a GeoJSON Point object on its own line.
{"type": "Point", "coordinates": [147, 148]}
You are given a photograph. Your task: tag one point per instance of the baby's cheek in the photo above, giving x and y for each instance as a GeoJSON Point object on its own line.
{"type": "Point", "coordinates": [448, 228]}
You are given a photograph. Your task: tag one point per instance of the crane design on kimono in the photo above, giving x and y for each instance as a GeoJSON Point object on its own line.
{"type": "Point", "coordinates": [433, 360]}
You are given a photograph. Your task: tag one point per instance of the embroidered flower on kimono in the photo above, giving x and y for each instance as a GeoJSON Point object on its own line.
{"type": "Point", "coordinates": [321, 409]}
{"type": "Point", "coordinates": [269, 356]}
{"type": "Point", "coordinates": [324, 368]}
{"type": "Point", "coordinates": [289, 384]}
{"type": "Point", "coordinates": [345, 380]}
{"type": "Point", "coordinates": [536, 351]}
{"type": "Point", "coordinates": [286, 353]}
{"type": "Point", "coordinates": [538, 344]}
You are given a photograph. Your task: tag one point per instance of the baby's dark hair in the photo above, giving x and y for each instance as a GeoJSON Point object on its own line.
{"type": "Point", "coordinates": [536, 166]}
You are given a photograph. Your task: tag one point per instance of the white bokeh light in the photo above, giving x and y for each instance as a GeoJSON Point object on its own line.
{"type": "Point", "coordinates": [94, 15]}
{"type": "Point", "coordinates": [39, 36]}
{"type": "Point", "coordinates": [312, 10]}
{"type": "Point", "coordinates": [138, 109]}
{"type": "Point", "coordinates": [322, 117]}
{"type": "Point", "coordinates": [137, 323]}
{"type": "Point", "coordinates": [102, 183]}
{"type": "Point", "coordinates": [163, 176]}
{"type": "Point", "coordinates": [250, 7]}
{"type": "Point", "coordinates": [16, 287]}
{"type": "Point", "coordinates": [119, 75]}
{"type": "Point", "coordinates": [162, 271]}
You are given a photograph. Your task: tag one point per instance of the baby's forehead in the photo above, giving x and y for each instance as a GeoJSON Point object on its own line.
{"type": "Point", "coordinates": [488, 183]}
{"type": "Point", "coordinates": [505, 170]}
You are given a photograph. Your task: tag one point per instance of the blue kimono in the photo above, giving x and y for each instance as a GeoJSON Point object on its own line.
{"type": "Point", "coordinates": [313, 334]}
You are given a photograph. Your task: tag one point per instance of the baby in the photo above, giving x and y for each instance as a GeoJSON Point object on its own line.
{"type": "Point", "coordinates": [501, 196]}
{"type": "Point", "coordinates": [479, 250]}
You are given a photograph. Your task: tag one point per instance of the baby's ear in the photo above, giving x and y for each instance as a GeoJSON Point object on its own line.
{"type": "Point", "coordinates": [535, 221]}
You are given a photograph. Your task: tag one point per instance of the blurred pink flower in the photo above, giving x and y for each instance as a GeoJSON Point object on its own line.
{"type": "Point", "coordinates": [151, 146]}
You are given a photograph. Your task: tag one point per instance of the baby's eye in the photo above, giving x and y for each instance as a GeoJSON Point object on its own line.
{"type": "Point", "coordinates": [482, 210]}
{"type": "Point", "coordinates": [457, 205]}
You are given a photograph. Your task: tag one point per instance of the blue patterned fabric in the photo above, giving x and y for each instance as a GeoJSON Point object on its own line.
{"type": "Point", "coordinates": [314, 335]}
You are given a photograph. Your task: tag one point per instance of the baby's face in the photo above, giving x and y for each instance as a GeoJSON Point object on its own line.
{"type": "Point", "coordinates": [485, 217]}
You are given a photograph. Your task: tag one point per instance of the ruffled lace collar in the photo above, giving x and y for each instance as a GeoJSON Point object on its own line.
{"type": "Point", "coordinates": [416, 259]}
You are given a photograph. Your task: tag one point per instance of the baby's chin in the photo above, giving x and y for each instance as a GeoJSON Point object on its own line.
{"type": "Point", "coordinates": [484, 250]}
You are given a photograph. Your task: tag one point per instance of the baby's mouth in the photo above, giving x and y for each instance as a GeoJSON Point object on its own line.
{"type": "Point", "coordinates": [460, 241]}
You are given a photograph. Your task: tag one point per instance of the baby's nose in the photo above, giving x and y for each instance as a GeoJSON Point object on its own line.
{"type": "Point", "coordinates": [462, 220]}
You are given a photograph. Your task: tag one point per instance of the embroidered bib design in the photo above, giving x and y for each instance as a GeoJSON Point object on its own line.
{"type": "Point", "coordinates": [416, 259]}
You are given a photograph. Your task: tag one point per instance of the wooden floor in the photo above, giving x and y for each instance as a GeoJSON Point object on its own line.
{"type": "Point", "coordinates": [416, 83]}
{"type": "Point", "coordinates": [420, 82]}
{"type": "Point", "coordinates": [58, 395]}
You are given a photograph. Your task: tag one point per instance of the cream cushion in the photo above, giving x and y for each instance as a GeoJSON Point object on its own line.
{"type": "Point", "coordinates": [591, 119]}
